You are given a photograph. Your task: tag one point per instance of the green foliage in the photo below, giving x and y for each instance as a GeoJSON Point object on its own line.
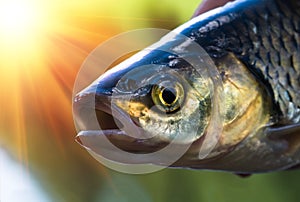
{"type": "Point", "coordinates": [203, 186]}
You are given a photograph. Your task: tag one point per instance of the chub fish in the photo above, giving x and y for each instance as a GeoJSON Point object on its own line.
{"type": "Point", "coordinates": [248, 103]}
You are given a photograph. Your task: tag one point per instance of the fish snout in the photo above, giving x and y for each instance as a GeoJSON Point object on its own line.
{"type": "Point", "coordinates": [99, 123]}
{"type": "Point", "coordinates": [91, 109]}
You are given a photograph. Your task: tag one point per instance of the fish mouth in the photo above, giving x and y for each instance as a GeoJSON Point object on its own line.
{"type": "Point", "coordinates": [103, 126]}
{"type": "Point", "coordinates": [104, 130]}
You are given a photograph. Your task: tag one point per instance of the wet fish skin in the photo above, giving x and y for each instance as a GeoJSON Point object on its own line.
{"type": "Point", "coordinates": [264, 35]}
{"type": "Point", "coordinates": [249, 40]}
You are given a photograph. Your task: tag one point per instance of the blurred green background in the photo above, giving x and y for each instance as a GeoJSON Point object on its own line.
{"type": "Point", "coordinates": [40, 136]}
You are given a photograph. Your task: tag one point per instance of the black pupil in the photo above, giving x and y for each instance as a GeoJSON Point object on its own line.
{"type": "Point", "coordinates": [169, 95]}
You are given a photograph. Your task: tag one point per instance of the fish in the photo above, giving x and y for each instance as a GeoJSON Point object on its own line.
{"type": "Point", "coordinates": [224, 92]}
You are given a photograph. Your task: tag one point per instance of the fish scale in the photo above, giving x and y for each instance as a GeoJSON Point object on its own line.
{"type": "Point", "coordinates": [276, 56]}
{"type": "Point", "coordinates": [270, 33]}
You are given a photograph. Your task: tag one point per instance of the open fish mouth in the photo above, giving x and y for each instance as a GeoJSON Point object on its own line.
{"type": "Point", "coordinates": [100, 123]}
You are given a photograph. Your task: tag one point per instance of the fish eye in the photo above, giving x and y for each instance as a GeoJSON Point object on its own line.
{"type": "Point", "coordinates": [167, 96]}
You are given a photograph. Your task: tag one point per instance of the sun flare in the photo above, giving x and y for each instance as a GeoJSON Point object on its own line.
{"type": "Point", "coordinates": [42, 46]}
{"type": "Point", "coordinates": [19, 20]}
{"type": "Point", "coordinates": [17, 17]}
{"type": "Point", "coordinates": [21, 24]}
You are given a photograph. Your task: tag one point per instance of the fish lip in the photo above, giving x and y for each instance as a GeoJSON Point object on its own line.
{"type": "Point", "coordinates": [85, 106]}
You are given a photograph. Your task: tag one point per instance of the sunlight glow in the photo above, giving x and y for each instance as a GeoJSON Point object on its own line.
{"type": "Point", "coordinates": [17, 16]}
{"type": "Point", "coordinates": [19, 19]}
{"type": "Point", "coordinates": [21, 24]}
{"type": "Point", "coordinates": [42, 46]}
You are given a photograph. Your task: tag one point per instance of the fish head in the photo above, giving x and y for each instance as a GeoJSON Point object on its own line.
{"type": "Point", "coordinates": [172, 93]}
{"type": "Point", "coordinates": [195, 101]}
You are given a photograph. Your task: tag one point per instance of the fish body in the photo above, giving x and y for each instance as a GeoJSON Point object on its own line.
{"type": "Point", "coordinates": [244, 94]}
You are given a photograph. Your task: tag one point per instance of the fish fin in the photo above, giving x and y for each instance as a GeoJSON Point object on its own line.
{"type": "Point", "coordinates": [285, 138]}
{"type": "Point", "coordinates": [295, 167]}
{"type": "Point", "coordinates": [276, 132]}
{"type": "Point", "coordinates": [243, 175]}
